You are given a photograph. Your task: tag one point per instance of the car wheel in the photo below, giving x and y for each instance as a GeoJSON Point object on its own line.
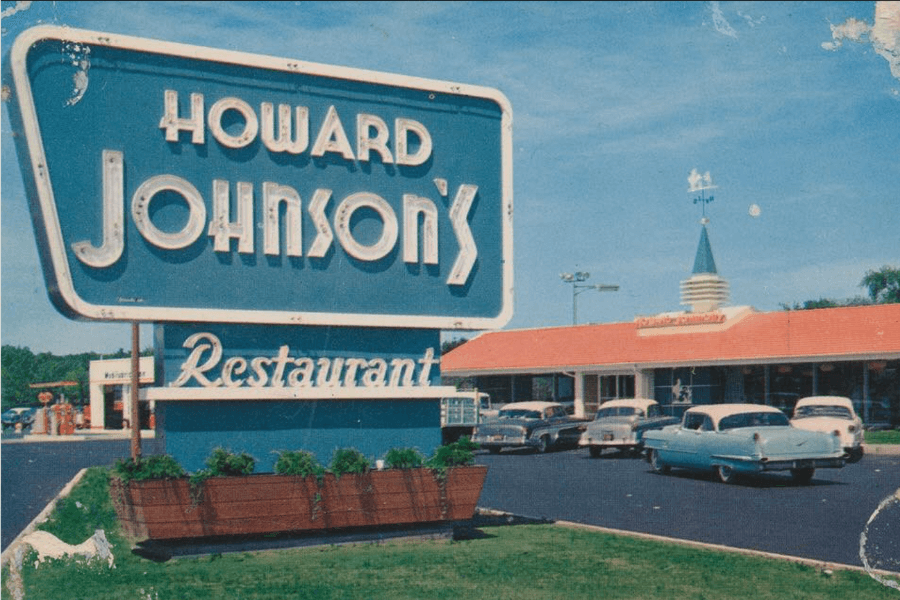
{"type": "Point", "coordinates": [726, 474]}
{"type": "Point", "coordinates": [656, 464]}
{"type": "Point", "coordinates": [595, 451]}
{"type": "Point", "coordinates": [802, 476]}
{"type": "Point", "coordinates": [855, 455]}
{"type": "Point", "coordinates": [545, 444]}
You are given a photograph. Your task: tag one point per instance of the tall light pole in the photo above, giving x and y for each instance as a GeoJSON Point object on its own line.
{"type": "Point", "coordinates": [575, 279]}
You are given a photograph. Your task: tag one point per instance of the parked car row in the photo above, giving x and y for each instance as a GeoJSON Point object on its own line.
{"type": "Point", "coordinates": [729, 439]}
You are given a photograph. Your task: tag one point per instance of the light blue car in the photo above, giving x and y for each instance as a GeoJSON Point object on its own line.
{"type": "Point", "coordinates": [742, 439]}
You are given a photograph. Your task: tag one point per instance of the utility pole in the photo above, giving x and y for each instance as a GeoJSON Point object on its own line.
{"type": "Point", "coordinates": [575, 279]}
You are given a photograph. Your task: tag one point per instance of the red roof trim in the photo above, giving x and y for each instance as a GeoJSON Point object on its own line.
{"type": "Point", "coordinates": [831, 333]}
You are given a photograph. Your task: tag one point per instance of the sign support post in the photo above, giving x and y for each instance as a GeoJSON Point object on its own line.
{"type": "Point", "coordinates": [135, 379]}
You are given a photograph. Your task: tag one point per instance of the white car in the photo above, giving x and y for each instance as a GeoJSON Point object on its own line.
{"type": "Point", "coordinates": [621, 424]}
{"type": "Point", "coordinates": [830, 414]}
{"type": "Point", "coordinates": [742, 439]}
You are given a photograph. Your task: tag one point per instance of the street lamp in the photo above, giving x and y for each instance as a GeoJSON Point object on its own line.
{"type": "Point", "coordinates": [575, 279]}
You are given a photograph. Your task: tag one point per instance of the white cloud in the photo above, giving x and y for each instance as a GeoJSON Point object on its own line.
{"type": "Point", "coordinates": [852, 29]}
{"type": "Point", "coordinates": [884, 35]}
{"type": "Point", "coordinates": [720, 22]}
{"type": "Point", "coordinates": [19, 6]}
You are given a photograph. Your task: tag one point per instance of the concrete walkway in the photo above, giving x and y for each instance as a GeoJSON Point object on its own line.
{"type": "Point", "coordinates": [80, 435]}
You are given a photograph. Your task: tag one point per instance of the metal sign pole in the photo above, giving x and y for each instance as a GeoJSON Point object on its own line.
{"type": "Point", "coordinates": [135, 379]}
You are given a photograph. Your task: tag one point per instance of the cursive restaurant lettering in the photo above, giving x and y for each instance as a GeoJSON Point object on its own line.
{"type": "Point", "coordinates": [205, 366]}
{"type": "Point", "coordinates": [280, 206]}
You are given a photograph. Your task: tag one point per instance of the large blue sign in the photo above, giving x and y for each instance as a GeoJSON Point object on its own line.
{"type": "Point", "coordinates": [178, 183]}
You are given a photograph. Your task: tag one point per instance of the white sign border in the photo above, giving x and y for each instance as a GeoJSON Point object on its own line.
{"type": "Point", "coordinates": [62, 278]}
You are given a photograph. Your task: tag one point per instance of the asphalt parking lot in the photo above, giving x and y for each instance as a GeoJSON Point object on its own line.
{"type": "Point", "coordinates": [820, 521]}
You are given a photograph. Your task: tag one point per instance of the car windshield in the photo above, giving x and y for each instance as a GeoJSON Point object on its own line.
{"type": "Point", "coordinates": [814, 410]}
{"type": "Point", "coordinates": [520, 413]}
{"type": "Point", "coordinates": [618, 411]}
{"type": "Point", "coordinates": [754, 419]}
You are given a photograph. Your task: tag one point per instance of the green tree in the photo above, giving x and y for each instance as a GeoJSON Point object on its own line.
{"type": "Point", "coordinates": [449, 345]}
{"type": "Point", "coordinates": [883, 285]}
{"type": "Point", "coordinates": [826, 303]}
{"type": "Point", "coordinates": [21, 368]}
{"type": "Point", "coordinates": [17, 366]}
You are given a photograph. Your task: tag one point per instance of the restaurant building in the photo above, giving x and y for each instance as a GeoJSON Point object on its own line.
{"type": "Point", "coordinates": [710, 353]}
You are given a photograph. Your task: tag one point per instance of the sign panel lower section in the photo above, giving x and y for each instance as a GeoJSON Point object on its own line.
{"type": "Point", "coordinates": [192, 430]}
{"type": "Point", "coordinates": [264, 389]}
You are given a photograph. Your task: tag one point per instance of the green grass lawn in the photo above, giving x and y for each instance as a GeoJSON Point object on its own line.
{"type": "Point", "coordinates": [538, 561]}
{"type": "Point", "coordinates": [891, 436]}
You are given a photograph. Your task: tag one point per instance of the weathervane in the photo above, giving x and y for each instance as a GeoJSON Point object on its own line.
{"type": "Point", "coordinates": [701, 183]}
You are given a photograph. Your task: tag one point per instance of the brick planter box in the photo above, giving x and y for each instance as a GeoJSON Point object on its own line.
{"type": "Point", "coordinates": [260, 504]}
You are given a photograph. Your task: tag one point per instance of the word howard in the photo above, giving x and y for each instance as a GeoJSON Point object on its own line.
{"type": "Point", "coordinates": [281, 205]}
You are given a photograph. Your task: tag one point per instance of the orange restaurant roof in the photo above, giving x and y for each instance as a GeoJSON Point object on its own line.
{"type": "Point", "coordinates": [861, 332]}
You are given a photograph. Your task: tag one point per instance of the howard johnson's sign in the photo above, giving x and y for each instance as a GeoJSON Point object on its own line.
{"type": "Point", "coordinates": [176, 183]}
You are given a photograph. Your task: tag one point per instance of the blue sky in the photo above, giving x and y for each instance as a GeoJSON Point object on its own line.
{"type": "Point", "coordinates": [790, 106]}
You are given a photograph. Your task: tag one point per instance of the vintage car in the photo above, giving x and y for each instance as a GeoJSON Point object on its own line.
{"type": "Point", "coordinates": [741, 439]}
{"type": "Point", "coordinates": [828, 414]}
{"type": "Point", "coordinates": [21, 415]}
{"type": "Point", "coordinates": [537, 425]}
{"type": "Point", "coordinates": [621, 424]}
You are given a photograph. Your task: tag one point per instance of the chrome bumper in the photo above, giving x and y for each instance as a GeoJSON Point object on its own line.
{"type": "Point", "coordinates": [802, 463]}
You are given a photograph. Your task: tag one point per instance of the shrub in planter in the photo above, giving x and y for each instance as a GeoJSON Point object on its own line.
{"type": "Point", "coordinates": [299, 463]}
{"type": "Point", "coordinates": [460, 453]}
{"type": "Point", "coordinates": [348, 460]}
{"type": "Point", "coordinates": [220, 463]}
{"type": "Point", "coordinates": [403, 458]}
{"type": "Point", "coordinates": [156, 466]}
{"type": "Point", "coordinates": [224, 463]}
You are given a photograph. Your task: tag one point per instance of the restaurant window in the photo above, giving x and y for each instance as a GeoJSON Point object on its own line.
{"type": "Point", "coordinates": [789, 383]}
{"type": "Point", "coordinates": [565, 388]}
{"type": "Point", "coordinates": [686, 386]}
{"type": "Point", "coordinates": [841, 379]}
{"type": "Point", "coordinates": [616, 386]}
{"type": "Point", "coordinates": [754, 384]}
{"type": "Point", "coordinates": [884, 392]}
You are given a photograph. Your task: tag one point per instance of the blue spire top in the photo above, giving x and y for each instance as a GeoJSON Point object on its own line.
{"type": "Point", "coordinates": [703, 262]}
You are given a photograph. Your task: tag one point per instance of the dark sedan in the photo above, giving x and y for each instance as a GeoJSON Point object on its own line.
{"type": "Point", "coordinates": [537, 425]}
